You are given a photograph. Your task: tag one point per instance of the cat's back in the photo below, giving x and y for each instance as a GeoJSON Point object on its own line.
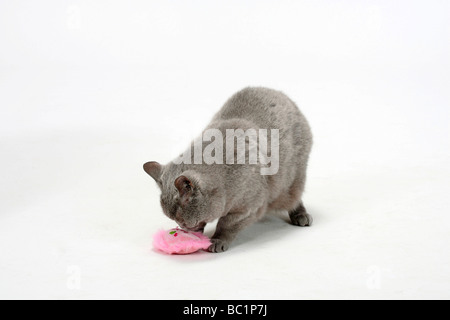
{"type": "Point", "coordinates": [265, 107]}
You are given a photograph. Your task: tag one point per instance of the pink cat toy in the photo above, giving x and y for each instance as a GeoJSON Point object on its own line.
{"type": "Point", "coordinates": [179, 241]}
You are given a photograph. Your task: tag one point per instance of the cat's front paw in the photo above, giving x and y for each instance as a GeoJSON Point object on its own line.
{"type": "Point", "coordinates": [218, 245]}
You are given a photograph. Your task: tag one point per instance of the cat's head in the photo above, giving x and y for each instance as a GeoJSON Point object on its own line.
{"type": "Point", "coordinates": [187, 196]}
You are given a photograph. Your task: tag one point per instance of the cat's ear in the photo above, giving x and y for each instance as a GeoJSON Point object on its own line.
{"type": "Point", "coordinates": [184, 186]}
{"type": "Point", "coordinates": [154, 169]}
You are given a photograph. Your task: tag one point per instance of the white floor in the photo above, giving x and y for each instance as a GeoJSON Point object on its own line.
{"type": "Point", "coordinates": [77, 212]}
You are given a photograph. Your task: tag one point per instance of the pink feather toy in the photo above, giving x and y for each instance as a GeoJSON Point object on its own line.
{"type": "Point", "coordinates": [179, 241]}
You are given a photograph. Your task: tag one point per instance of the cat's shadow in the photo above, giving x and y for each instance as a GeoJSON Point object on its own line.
{"type": "Point", "coordinates": [274, 226]}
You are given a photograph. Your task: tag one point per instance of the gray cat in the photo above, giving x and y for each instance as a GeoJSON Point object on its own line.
{"type": "Point", "coordinates": [238, 194]}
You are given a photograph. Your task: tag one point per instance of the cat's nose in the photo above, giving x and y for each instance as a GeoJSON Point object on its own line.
{"type": "Point", "coordinates": [180, 221]}
{"type": "Point", "coordinates": [184, 225]}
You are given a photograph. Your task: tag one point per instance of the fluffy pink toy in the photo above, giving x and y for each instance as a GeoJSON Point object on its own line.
{"type": "Point", "coordinates": [179, 241]}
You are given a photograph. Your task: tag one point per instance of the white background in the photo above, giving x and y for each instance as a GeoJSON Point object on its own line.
{"type": "Point", "coordinates": [90, 90]}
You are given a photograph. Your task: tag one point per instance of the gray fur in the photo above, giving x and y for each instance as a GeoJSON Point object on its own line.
{"type": "Point", "coordinates": [237, 194]}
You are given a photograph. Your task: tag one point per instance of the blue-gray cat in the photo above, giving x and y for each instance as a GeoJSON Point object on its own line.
{"type": "Point", "coordinates": [238, 194]}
